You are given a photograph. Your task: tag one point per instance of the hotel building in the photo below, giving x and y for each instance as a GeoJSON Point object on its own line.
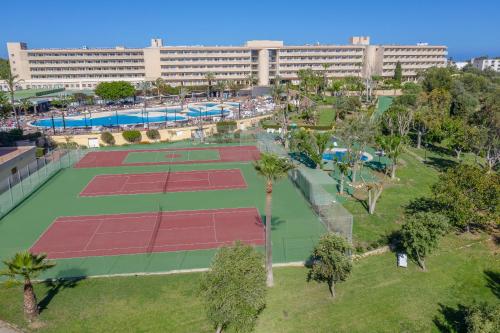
{"type": "Point", "coordinates": [188, 65]}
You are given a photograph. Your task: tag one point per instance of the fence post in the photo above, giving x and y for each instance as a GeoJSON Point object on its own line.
{"type": "Point", "coordinates": [10, 192]}
{"type": "Point", "coordinates": [20, 182]}
{"type": "Point", "coordinates": [29, 175]}
{"type": "Point", "coordinates": [45, 164]}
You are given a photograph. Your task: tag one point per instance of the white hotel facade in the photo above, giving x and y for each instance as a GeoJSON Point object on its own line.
{"type": "Point", "coordinates": [188, 65]}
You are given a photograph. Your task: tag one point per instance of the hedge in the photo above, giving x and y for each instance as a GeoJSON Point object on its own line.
{"type": "Point", "coordinates": [153, 134]}
{"type": "Point", "coordinates": [313, 127]}
{"type": "Point", "coordinates": [226, 126]}
{"type": "Point", "coordinates": [132, 136]}
{"type": "Point", "coordinates": [108, 138]}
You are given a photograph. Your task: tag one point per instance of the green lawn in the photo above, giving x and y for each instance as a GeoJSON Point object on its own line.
{"type": "Point", "coordinates": [378, 297]}
{"type": "Point", "coordinates": [414, 181]}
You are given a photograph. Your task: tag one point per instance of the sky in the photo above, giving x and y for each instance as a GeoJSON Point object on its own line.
{"type": "Point", "coordinates": [469, 28]}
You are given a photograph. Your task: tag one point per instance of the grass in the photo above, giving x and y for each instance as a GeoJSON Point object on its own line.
{"type": "Point", "coordinates": [378, 297]}
{"type": "Point", "coordinates": [414, 181]}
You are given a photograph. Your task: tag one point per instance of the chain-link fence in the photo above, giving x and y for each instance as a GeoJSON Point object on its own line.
{"type": "Point", "coordinates": [310, 183]}
{"type": "Point", "coordinates": [16, 187]}
{"type": "Point", "coordinates": [333, 215]}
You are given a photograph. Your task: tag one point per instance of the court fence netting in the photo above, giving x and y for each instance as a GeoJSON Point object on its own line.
{"type": "Point", "coordinates": [310, 183]}
{"type": "Point", "coordinates": [27, 179]}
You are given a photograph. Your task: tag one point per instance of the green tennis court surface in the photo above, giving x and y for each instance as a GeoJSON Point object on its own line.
{"type": "Point", "coordinates": [295, 228]}
{"type": "Point", "coordinates": [172, 156]}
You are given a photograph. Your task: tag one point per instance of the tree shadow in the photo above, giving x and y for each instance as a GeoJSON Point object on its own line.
{"type": "Point", "coordinates": [61, 282]}
{"type": "Point", "coordinates": [440, 150]}
{"type": "Point", "coordinates": [441, 164]}
{"type": "Point", "coordinates": [376, 166]}
{"type": "Point", "coordinates": [422, 204]}
{"type": "Point", "coordinates": [493, 282]}
{"type": "Point", "coordinates": [275, 221]}
{"type": "Point", "coordinates": [451, 320]}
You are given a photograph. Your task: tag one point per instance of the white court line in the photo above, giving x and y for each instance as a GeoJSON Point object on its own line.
{"type": "Point", "coordinates": [195, 212]}
{"type": "Point", "coordinates": [159, 246]}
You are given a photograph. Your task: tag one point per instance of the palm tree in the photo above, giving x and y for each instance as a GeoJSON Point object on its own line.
{"type": "Point", "coordinates": [183, 92]}
{"type": "Point", "coordinates": [210, 77]}
{"type": "Point", "coordinates": [251, 79]}
{"type": "Point", "coordinates": [26, 105]}
{"type": "Point", "coordinates": [325, 78]}
{"type": "Point", "coordinates": [12, 82]}
{"type": "Point", "coordinates": [27, 265]}
{"type": "Point", "coordinates": [221, 87]}
{"type": "Point", "coordinates": [159, 83]}
{"type": "Point", "coordinates": [234, 87]}
{"type": "Point", "coordinates": [343, 169]}
{"type": "Point", "coordinates": [272, 168]}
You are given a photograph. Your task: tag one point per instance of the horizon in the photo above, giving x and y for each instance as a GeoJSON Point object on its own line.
{"type": "Point", "coordinates": [110, 25]}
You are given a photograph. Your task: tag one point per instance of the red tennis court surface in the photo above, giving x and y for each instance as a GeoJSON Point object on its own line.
{"type": "Point", "coordinates": [116, 158]}
{"type": "Point", "coordinates": [183, 181]}
{"type": "Point", "coordinates": [104, 235]}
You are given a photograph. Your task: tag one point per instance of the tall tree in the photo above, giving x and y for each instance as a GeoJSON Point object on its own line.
{"type": "Point", "coordinates": [12, 82]}
{"type": "Point", "coordinates": [114, 91]}
{"type": "Point", "coordinates": [483, 318]}
{"type": "Point", "coordinates": [27, 266]}
{"type": "Point", "coordinates": [272, 168]}
{"type": "Point", "coordinates": [330, 261]}
{"type": "Point", "coordinates": [159, 83]}
{"type": "Point", "coordinates": [357, 133]}
{"type": "Point", "coordinates": [469, 197]}
{"type": "Point", "coordinates": [420, 234]}
{"type": "Point", "coordinates": [392, 145]}
{"type": "Point", "coordinates": [343, 170]}
{"type": "Point", "coordinates": [26, 105]}
{"type": "Point", "coordinates": [398, 73]}
{"type": "Point", "coordinates": [234, 289]}
{"type": "Point", "coordinates": [221, 86]}
{"type": "Point", "coordinates": [210, 77]}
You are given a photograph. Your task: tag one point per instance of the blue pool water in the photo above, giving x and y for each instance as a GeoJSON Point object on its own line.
{"type": "Point", "coordinates": [122, 119]}
{"type": "Point", "coordinates": [339, 155]}
{"type": "Point", "coordinates": [193, 112]}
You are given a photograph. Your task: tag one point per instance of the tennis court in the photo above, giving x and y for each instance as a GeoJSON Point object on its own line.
{"type": "Point", "coordinates": [172, 156]}
{"type": "Point", "coordinates": [169, 156]}
{"type": "Point", "coordinates": [130, 210]}
{"type": "Point", "coordinates": [182, 181]}
{"type": "Point", "coordinates": [107, 235]}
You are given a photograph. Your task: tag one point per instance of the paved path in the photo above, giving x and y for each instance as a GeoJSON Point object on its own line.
{"type": "Point", "coordinates": [5, 328]}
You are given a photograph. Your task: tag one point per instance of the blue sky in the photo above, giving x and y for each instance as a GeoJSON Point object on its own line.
{"type": "Point", "coordinates": [468, 28]}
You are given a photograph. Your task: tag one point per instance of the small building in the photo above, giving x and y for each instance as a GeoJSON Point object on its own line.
{"type": "Point", "coordinates": [484, 63]}
{"type": "Point", "coordinates": [13, 160]}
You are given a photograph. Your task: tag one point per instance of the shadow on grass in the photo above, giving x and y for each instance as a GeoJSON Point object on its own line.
{"type": "Point", "coordinates": [60, 283]}
{"type": "Point", "coordinates": [441, 164]}
{"type": "Point", "coordinates": [493, 282]}
{"type": "Point", "coordinates": [376, 166]}
{"type": "Point", "coordinates": [451, 320]}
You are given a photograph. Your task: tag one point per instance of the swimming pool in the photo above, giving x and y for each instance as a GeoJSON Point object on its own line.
{"type": "Point", "coordinates": [136, 116]}
{"type": "Point", "coordinates": [193, 112]}
{"type": "Point", "coordinates": [339, 154]}
{"type": "Point", "coordinates": [112, 119]}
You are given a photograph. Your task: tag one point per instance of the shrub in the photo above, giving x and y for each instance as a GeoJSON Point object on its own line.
{"type": "Point", "coordinates": [132, 136]}
{"type": "Point", "coordinates": [226, 126]}
{"type": "Point", "coordinates": [153, 134]}
{"type": "Point", "coordinates": [39, 152]}
{"type": "Point", "coordinates": [108, 138]}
